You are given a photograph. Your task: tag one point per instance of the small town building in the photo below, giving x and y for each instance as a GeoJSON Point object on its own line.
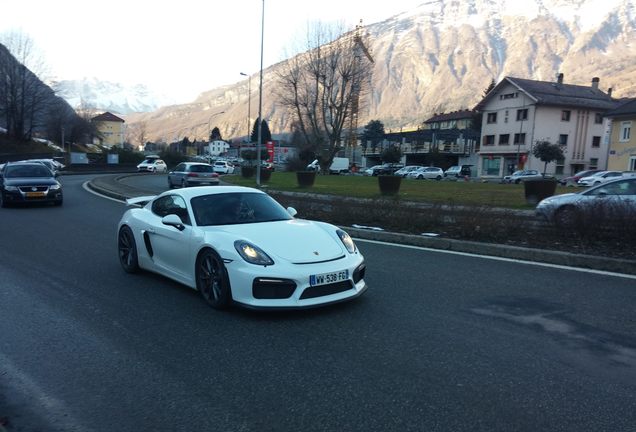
{"type": "Point", "coordinates": [622, 142]}
{"type": "Point", "coordinates": [112, 130]}
{"type": "Point", "coordinates": [517, 113]}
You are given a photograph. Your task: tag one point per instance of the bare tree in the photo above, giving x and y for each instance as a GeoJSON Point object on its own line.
{"type": "Point", "coordinates": [322, 86]}
{"type": "Point", "coordinates": [137, 133]}
{"type": "Point", "coordinates": [24, 99]}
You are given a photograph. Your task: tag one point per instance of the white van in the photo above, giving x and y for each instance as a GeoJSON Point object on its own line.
{"type": "Point", "coordinates": [338, 166]}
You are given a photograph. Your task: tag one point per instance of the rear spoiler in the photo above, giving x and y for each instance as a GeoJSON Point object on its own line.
{"type": "Point", "coordinates": [140, 201]}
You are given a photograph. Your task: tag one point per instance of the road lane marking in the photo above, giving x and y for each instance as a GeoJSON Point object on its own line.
{"type": "Point", "coordinates": [496, 258]}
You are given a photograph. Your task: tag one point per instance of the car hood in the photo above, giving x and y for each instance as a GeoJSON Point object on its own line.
{"type": "Point", "coordinates": [298, 241]}
{"type": "Point", "coordinates": [28, 181]}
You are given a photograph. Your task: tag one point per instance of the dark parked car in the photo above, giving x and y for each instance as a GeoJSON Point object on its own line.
{"type": "Point", "coordinates": [192, 174]}
{"type": "Point", "coordinates": [28, 182]}
{"type": "Point", "coordinates": [572, 180]}
{"type": "Point", "coordinates": [386, 169]}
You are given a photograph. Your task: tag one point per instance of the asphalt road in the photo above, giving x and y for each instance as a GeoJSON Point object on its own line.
{"type": "Point", "coordinates": [440, 342]}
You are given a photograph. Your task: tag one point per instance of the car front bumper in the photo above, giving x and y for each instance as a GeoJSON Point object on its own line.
{"type": "Point", "coordinates": [244, 278]}
{"type": "Point", "coordinates": [21, 197]}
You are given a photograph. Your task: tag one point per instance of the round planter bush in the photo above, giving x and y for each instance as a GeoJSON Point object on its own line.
{"type": "Point", "coordinates": [248, 171]}
{"type": "Point", "coordinates": [389, 184]}
{"type": "Point", "coordinates": [538, 189]}
{"type": "Point", "coordinates": [305, 178]}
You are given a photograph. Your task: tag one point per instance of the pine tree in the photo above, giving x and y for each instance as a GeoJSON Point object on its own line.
{"type": "Point", "coordinates": [266, 135]}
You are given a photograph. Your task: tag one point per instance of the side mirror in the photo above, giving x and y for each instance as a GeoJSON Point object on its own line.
{"type": "Point", "coordinates": [174, 221]}
{"type": "Point", "coordinates": [292, 211]}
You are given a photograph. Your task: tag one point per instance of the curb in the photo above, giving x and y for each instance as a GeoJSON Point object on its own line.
{"type": "Point", "coordinates": [111, 187]}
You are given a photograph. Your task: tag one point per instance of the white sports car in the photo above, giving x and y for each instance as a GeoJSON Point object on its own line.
{"type": "Point", "coordinates": [238, 245]}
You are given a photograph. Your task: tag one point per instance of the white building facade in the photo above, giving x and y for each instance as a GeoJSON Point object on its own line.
{"type": "Point", "coordinates": [517, 113]}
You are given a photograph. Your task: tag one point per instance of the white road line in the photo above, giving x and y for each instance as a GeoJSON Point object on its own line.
{"type": "Point", "coordinates": [496, 258]}
{"type": "Point", "coordinates": [85, 186]}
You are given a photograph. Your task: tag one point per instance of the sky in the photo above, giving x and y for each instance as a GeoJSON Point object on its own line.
{"type": "Point", "coordinates": [176, 48]}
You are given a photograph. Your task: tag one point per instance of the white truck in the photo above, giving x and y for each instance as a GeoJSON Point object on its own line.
{"type": "Point", "coordinates": [338, 166]}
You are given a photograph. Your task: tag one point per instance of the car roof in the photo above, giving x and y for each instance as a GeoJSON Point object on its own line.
{"type": "Point", "coordinates": [197, 163]}
{"type": "Point", "coordinates": [189, 193]}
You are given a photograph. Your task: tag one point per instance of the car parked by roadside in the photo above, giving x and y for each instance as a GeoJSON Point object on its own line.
{"type": "Point", "coordinates": [29, 182]}
{"type": "Point", "coordinates": [599, 177]}
{"type": "Point", "coordinates": [386, 169]}
{"type": "Point", "coordinates": [192, 174]}
{"type": "Point", "coordinates": [573, 179]}
{"type": "Point", "coordinates": [614, 198]}
{"type": "Point", "coordinates": [152, 165]}
{"type": "Point", "coordinates": [433, 173]}
{"type": "Point", "coordinates": [458, 171]}
{"type": "Point", "coordinates": [522, 175]}
{"type": "Point", "coordinates": [369, 171]}
{"type": "Point", "coordinates": [223, 167]}
{"type": "Point", "coordinates": [402, 172]}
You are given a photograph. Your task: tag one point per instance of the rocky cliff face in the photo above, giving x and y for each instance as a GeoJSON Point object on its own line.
{"type": "Point", "coordinates": [441, 56]}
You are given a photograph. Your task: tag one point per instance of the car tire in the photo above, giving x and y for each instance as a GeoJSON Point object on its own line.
{"type": "Point", "coordinates": [58, 203]}
{"type": "Point", "coordinates": [420, 177]}
{"type": "Point", "coordinates": [517, 181]}
{"type": "Point", "coordinates": [170, 185]}
{"type": "Point", "coordinates": [596, 183]}
{"type": "Point", "coordinates": [439, 177]}
{"type": "Point", "coordinates": [127, 250]}
{"type": "Point", "coordinates": [3, 203]}
{"type": "Point", "coordinates": [212, 280]}
{"type": "Point", "coordinates": [184, 184]}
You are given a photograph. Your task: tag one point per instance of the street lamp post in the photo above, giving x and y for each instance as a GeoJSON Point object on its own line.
{"type": "Point", "coordinates": [249, 104]}
{"type": "Point", "coordinates": [260, 103]}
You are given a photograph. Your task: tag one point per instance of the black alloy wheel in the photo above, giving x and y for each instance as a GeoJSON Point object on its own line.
{"type": "Point", "coordinates": [212, 280]}
{"type": "Point", "coordinates": [127, 250]}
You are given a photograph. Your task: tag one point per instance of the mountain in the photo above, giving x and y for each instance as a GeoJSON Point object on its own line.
{"type": "Point", "coordinates": [441, 56]}
{"type": "Point", "coordinates": [108, 96]}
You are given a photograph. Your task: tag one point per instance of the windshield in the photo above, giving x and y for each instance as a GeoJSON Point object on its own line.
{"type": "Point", "coordinates": [27, 171]}
{"type": "Point", "coordinates": [236, 208]}
{"type": "Point", "coordinates": [202, 168]}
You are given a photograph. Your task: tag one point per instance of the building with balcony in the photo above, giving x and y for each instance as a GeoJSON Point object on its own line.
{"type": "Point", "coordinates": [517, 113]}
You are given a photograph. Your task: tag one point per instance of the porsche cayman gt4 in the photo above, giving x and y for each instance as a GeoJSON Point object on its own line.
{"type": "Point", "coordinates": [238, 245]}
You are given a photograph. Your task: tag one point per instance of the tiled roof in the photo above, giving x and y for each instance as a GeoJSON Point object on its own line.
{"type": "Point", "coordinates": [559, 94]}
{"type": "Point", "coordinates": [455, 115]}
{"type": "Point", "coordinates": [628, 107]}
{"type": "Point", "coordinates": [552, 93]}
{"type": "Point", "coordinates": [110, 117]}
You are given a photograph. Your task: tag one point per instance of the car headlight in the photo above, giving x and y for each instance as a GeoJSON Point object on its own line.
{"type": "Point", "coordinates": [252, 254]}
{"type": "Point", "coordinates": [11, 188]}
{"type": "Point", "coordinates": [347, 241]}
{"type": "Point", "coordinates": [54, 187]}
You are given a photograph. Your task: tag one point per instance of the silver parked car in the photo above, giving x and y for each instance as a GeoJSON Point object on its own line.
{"type": "Point", "coordinates": [433, 173]}
{"type": "Point", "coordinates": [599, 177]}
{"type": "Point", "coordinates": [617, 196]}
{"type": "Point", "coordinates": [522, 175]}
{"type": "Point", "coordinates": [192, 174]}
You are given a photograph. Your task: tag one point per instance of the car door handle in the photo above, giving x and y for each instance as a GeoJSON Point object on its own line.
{"type": "Point", "coordinates": [150, 231]}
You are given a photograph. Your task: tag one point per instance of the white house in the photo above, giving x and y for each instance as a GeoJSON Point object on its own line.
{"type": "Point", "coordinates": [519, 112]}
{"type": "Point", "coordinates": [217, 147]}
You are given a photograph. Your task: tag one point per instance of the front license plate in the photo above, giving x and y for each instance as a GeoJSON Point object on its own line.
{"type": "Point", "coordinates": [328, 278]}
{"type": "Point", "coordinates": [35, 194]}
